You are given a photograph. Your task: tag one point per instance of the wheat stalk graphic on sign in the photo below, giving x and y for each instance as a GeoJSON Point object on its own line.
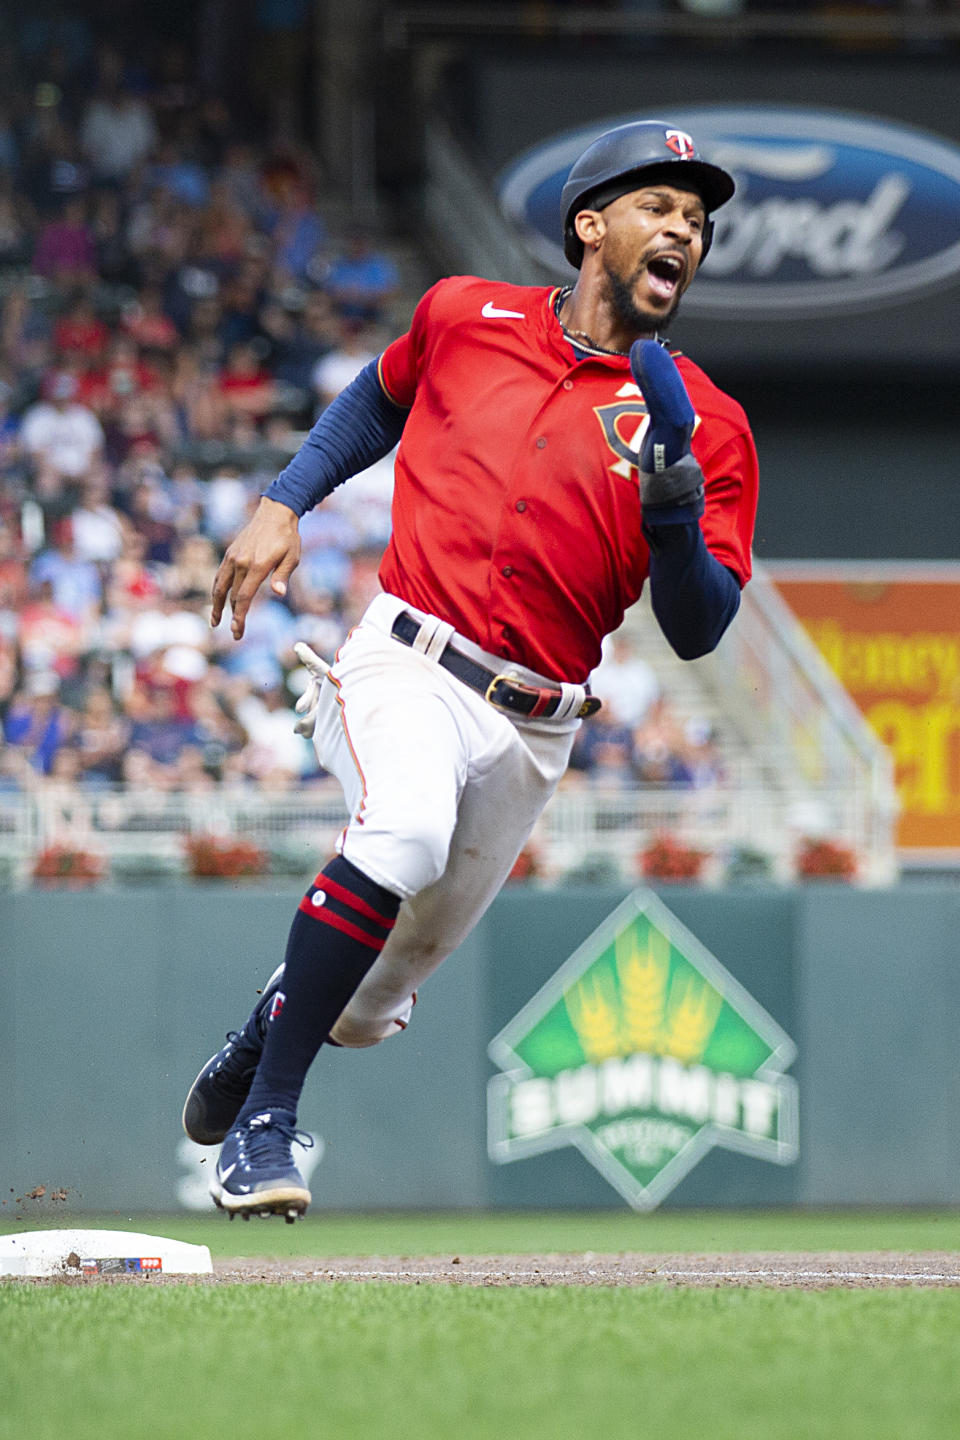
{"type": "Point", "coordinates": [592, 1007]}
{"type": "Point", "coordinates": [643, 987]}
{"type": "Point", "coordinates": [692, 1010]}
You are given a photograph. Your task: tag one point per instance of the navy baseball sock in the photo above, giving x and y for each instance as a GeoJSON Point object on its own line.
{"type": "Point", "coordinates": [342, 924]}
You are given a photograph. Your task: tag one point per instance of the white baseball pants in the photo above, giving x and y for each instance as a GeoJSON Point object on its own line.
{"type": "Point", "coordinates": [442, 789]}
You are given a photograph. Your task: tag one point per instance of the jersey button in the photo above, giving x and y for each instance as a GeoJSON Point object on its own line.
{"type": "Point", "coordinates": [507, 571]}
{"type": "Point", "coordinates": [521, 506]}
{"type": "Point", "coordinates": [568, 384]}
{"type": "Point", "coordinates": [541, 442]}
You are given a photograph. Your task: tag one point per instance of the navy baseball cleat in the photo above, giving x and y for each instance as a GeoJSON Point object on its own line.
{"type": "Point", "coordinates": [217, 1095]}
{"type": "Point", "coordinates": [255, 1174]}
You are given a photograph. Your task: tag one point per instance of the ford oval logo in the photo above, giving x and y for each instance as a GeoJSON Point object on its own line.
{"type": "Point", "coordinates": [832, 211]}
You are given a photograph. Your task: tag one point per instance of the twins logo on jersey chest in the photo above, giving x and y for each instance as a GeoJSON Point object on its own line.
{"type": "Point", "coordinates": [623, 424]}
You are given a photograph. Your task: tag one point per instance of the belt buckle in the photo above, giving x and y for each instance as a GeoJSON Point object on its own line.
{"type": "Point", "coordinates": [489, 692]}
{"type": "Point", "coordinates": [539, 698]}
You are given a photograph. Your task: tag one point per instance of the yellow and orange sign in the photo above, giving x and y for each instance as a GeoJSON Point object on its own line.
{"type": "Point", "coordinates": [891, 634]}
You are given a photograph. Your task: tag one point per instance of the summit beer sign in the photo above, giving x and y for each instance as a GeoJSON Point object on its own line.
{"type": "Point", "coordinates": [643, 1052]}
{"type": "Point", "coordinates": [833, 211]}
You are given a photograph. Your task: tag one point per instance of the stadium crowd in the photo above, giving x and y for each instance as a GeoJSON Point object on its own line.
{"type": "Point", "coordinates": [175, 310]}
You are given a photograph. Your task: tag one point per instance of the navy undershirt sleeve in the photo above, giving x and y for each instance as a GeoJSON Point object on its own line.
{"type": "Point", "coordinates": [358, 428]}
{"type": "Point", "coordinates": [694, 596]}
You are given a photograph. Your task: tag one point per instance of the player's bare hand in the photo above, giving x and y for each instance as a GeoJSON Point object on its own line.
{"type": "Point", "coordinates": [268, 545]}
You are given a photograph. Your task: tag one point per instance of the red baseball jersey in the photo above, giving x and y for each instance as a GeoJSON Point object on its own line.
{"type": "Point", "coordinates": [516, 511]}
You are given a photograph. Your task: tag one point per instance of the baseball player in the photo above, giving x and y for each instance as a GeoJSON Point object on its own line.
{"type": "Point", "coordinates": [554, 454]}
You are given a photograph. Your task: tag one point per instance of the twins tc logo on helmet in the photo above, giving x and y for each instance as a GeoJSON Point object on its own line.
{"type": "Point", "coordinates": [680, 143]}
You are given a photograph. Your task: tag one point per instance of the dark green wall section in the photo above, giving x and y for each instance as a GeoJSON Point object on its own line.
{"type": "Point", "coordinates": [112, 1000]}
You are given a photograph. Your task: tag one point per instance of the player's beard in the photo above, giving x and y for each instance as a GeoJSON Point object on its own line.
{"type": "Point", "coordinates": [634, 319]}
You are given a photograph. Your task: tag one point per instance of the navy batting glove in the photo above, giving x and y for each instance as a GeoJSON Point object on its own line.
{"type": "Point", "coordinates": [671, 481]}
{"type": "Point", "coordinates": [668, 405]}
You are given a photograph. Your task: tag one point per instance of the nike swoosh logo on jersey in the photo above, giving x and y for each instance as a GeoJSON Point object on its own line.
{"type": "Point", "coordinates": [490, 312]}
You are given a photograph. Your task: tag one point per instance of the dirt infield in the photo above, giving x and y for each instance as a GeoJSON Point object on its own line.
{"type": "Point", "coordinates": [874, 1270]}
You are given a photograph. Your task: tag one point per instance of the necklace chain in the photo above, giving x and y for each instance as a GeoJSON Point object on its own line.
{"type": "Point", "coordinates": [559, 303]}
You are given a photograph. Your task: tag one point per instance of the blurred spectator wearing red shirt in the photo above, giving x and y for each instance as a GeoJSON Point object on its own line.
{"type": "Point", "coordinates": [246, 387]}
{"type": "Point", "coordinates": [146, 323]}
{"type": "Point", "coordinates": [124, 374]}
{"type": "Point", "coordinates": [80, 332]}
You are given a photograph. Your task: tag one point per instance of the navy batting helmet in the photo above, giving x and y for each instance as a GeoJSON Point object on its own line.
{"type": "Point", "coordinates": [633, 155]}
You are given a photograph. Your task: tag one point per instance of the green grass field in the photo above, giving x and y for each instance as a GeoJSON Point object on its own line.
{"type": "Point", "coordinates": [375, 1360]}
{"type": "Point", "coordinates": [478, 1233]}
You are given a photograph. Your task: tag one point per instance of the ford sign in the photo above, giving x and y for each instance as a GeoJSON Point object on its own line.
{"type": "Point", "coordinates": [832, 211]}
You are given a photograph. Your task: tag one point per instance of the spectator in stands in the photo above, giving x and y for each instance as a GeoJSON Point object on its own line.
{"type": "Point", "coordinates": [626, 683]}
{"type": "Point", "coordinates": [53, 638]}
{"type": "Point", "coordinates": [355, 348]}
{"type": "Point", "coordinates": [15, 237]}
{"type": "Point", "coordinates": [275, 755]}
{"type": "Point", "coordinates": [169, 621]}
{"type": "Point", "coordinates": [159, 729]}
{"type": "Point", "coordinates": [36, 724]}
{"type": "Point", "coordinates": [80, 335]}
{"type": "Point", "coordinates": [226, 499]}
{"type": "Point", "coordinates": [178, 175]}
{"type": "Point", "coordinates": [115, 260]}
{"type": "Point", "coordinates": [147, 324]}
{"type": "Point", "coordinates": [98, 528]}
{"type": "Point", "coordinates": [297, 233]}
{"type": "Point", "coordinates": [267, 654]}
{"type": "Point", "coordinates": [101, 738]}
{"type": "Point", "coordinates": [246, 387]}
{"type": "Point", "coordinates": [362, 282]}
{"type": "Point", "coordinates": [59, 431]}
{"type": "Point", "coordinates": [118, 130]}
{"type": "Point", "coordinates": [660, 752]}
{"type": "Point", "coordinates": [190, 577]}
{"type": "Point", "coordinates": [219, 732]}
{"type": "Point", "coordinates": [54, 170]}
{"type": "Point", "coordinates": [703, 754]}
{"type": "Point", "coordinates": [75, 583]}
{"type": "Point", "coordinates": [65, 250]}
{"type": "Point", "coordinates": [603, 754]}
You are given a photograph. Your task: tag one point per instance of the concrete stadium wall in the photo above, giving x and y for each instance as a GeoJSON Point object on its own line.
{"type": "Point", "coordinates": [113, 999]}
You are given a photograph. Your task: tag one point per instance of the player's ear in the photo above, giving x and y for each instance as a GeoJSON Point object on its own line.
{"type": "Point", "coordinates": [590, 227]}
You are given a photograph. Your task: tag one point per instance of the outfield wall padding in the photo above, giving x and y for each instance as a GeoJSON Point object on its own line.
{"type": "Point", "coordinates": [113, 998]}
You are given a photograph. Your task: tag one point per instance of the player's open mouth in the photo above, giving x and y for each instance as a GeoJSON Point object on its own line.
{"type": "Point", "coordinates": [664, 274]}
